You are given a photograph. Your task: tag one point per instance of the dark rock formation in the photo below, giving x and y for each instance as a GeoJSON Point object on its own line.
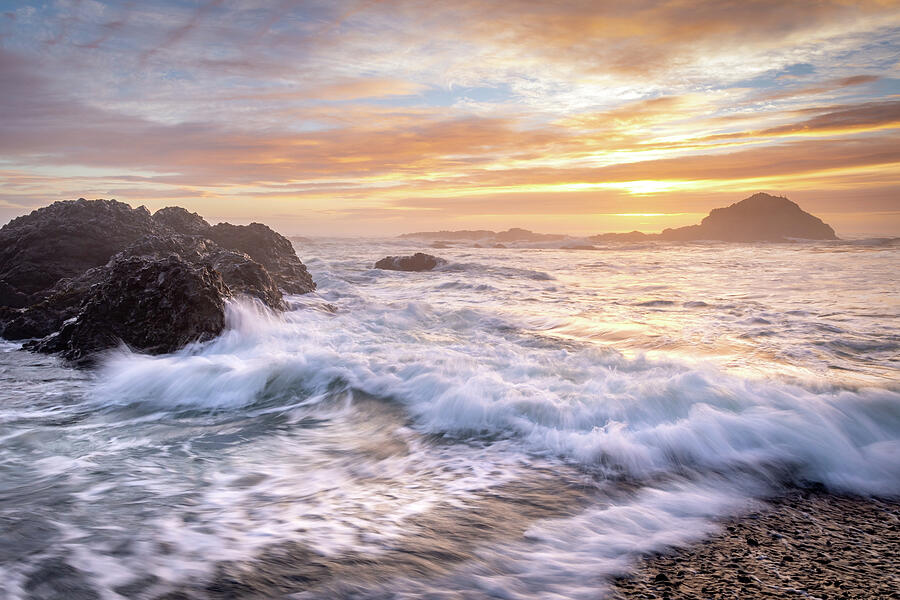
{"type": "Point", "coordinates": [48, 315]}
{"type": "Point", "coordinates": [241, 273]}
{"type": "Point", "coordinates": [759, 218]}
{"type": "Point", "coordinates": [244, 275]}
{"type": "Point", "coordinates": [180, 220]}
{"type": "Point", "coordinates": [152, 305]}
{"type": "Point", "coordinates": [62, 240]}
{"type": "Point", "coordinates": [270, 249]}
{"type": "Point", "coordinates": [63, 265]}
{"type": "Point", "coordinates": [417, 262]}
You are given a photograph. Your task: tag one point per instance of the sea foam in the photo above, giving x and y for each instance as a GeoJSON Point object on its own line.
{"type": "Point", "coordinates": [630, 417]}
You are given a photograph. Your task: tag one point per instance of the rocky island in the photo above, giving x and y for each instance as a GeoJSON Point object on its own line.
{"type": "Point", "coordinates": [484, 236]}
{"type": "Point", "coordinates": [759, 218]}
{"type": "Point", "coordinates": [82, 276]}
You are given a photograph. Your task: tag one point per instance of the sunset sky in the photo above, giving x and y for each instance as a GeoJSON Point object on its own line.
{"type": "Point", "coordinates": [368, 117]}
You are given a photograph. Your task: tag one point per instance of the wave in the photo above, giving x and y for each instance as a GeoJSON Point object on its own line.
{"type": "Point", "coordinates": [467, 375]}
{"type": "Point", "coordinates": [506, 272]}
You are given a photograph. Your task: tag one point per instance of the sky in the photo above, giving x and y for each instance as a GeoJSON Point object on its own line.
{"type": "Point", "coordinates": [369, 117]}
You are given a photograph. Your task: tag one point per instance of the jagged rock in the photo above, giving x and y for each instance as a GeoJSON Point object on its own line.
{"type": "Point", "coordinates": [10, 296]}
{"type": "Point", "coordinates": [268, 248]}
{"type": "Point", "coordinates": [181, 221]}
{"type": "Point", "coordinates": [241, 273]}
{"type": "Point", "coordinates": [63, 240]}
{"type": "Point", "coordinates": [152, 305]}
{"type": "Point", "coordinates": [759, 218]}
{"type": "Point", "coordinates": [191, 248]}
{"type": "Point", "coordinates": [244, 275]}
{"type": "Point", "coordinates": [417, 262]}
{"type": "Point", "coordinates": [62, 265]}
{"type": "Point", "coordinates": [48, 315]}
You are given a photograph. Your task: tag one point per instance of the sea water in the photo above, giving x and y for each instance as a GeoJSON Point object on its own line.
{"type": "Point", "coordinates": [519, 423]}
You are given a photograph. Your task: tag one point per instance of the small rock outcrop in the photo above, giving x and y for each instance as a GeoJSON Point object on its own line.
{"type": "Point", "coordinates": [62, 266]}
{"type": "Point", "coordinates": [151, 305]}
{"type": "Point", "coordinates": [759, 218]}
{"type": "Point", "coordinates": [417, 262]}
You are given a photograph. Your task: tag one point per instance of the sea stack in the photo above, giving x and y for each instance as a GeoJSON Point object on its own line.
{"type": "Point", "coordinates": [759, 218]}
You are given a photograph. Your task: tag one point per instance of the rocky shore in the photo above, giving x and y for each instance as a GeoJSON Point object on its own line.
{"type": "Point", "coordinates": [808, 545]}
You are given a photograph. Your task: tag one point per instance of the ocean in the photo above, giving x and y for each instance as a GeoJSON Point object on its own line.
{"type": "Point", "coordinates": [521, 423]}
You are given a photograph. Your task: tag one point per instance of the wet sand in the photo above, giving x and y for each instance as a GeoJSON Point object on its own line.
{"type": "Point", "coordinates": [804, 545]}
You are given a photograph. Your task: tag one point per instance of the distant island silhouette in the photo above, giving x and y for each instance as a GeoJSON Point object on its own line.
{"type": "Point", "coordinates": [759, 218]}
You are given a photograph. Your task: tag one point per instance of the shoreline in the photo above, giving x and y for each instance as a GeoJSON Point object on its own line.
{"type": "Point", "coordinates": [802, 545]}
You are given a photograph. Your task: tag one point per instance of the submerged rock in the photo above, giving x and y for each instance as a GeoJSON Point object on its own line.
{"type": "Point", "coordinates": [417, 262]}
{"type": "Point", "coordinates": [152, 305]}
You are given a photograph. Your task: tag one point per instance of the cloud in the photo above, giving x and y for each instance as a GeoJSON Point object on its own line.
{"type": "Point", "coordinates": [824, 88]}
{"type": "Point", "coordinates": [337, 106]}
{"type": "Point", "coordinates": [342, 90]}
{"type": "Point", "coordinates": [179, 33]}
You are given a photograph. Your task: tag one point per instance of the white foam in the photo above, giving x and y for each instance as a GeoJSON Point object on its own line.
{"type": "Point", "coordinates": [637, 417]}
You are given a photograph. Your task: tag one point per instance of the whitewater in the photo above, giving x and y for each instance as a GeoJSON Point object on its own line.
{"type": "Point", "coordinates": [519, 423]}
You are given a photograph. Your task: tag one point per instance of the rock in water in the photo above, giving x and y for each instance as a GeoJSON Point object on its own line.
{"type": "Point", "coordinates": [417, 262]}
{"type": "Point", "coordinates": [152, 305]}
{"type": "Point", "coordinates": [63, 240]}
{"type": "Point", "coordinates": [241, 273]}
{"type": "Point", "coordinates": [268, 248]}
{"type": "Point", "coordinates": [55, 261]}
{"type": "Point", "coordinates": [759, 218]}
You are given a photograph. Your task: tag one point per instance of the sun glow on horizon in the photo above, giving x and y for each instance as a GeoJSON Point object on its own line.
{"type": "Point", "coordinates": [364, 120]}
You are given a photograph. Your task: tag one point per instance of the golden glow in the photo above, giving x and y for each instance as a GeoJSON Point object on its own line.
{"type": "Point", "coordinates": [384, 117]}
{"type": "Point", "coordinates": [644, 214]}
